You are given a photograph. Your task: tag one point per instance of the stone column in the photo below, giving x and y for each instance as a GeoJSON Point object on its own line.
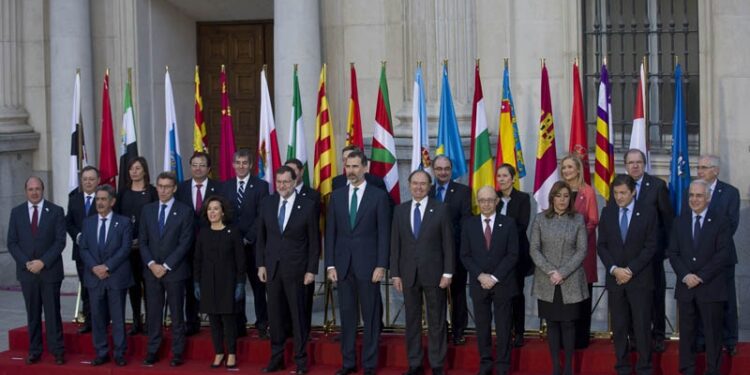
{"type": "Point", "coordinates": [296, 35]}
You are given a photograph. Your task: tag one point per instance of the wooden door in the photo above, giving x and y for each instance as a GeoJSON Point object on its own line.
{"type": "Point", "coordinates": [243, 48]}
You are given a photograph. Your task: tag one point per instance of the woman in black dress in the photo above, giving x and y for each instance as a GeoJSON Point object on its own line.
{"type": "Point", "coordinates": [137, 192]}
{"type": "Point", "coordinates": [219, 275]}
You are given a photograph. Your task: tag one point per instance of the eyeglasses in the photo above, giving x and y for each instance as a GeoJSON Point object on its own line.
{"type": "Point", "coordinates": [199, 165]}
{"type": "Point", "coordinates": [635, 162]}
{"type": "Point", "coordinates": [486, 201]}
{"type": "Point", "coordinates": [704, 167]}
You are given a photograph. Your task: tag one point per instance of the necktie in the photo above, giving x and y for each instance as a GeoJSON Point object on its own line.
{"type": "Point", "coordinates": [162, 218]}
{"type": "Point", "coordinates": [282, 215]}
{"type": "Point", "coordinates": [441, 193]}
{"type": "Point", "coordinates": [696, 230]}
{"type": "Point", "coordinates": [34, 221]}
{"type": "Point", "coordinates": [240, 194]}
{"type": "Point", "coordinates": [102, 233]}
{"type": "Point", "coordinates": [198, 198]}
{"type": "Point", "coordinates": [624, 223]}
{"type": "Point", "coordinates": [487, 233]}
{"type": "Point", "coordinates": [353, 208]}
{"type": "Point", "coordinates": [417, 220]}
{"type": "Point", "coordinates": [637, 190]}
{"type": "Point", "coordinates": [87, 205]}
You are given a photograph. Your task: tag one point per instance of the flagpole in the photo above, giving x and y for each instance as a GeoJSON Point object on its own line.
{"type": "Point", "coordinates": [505, 63]}
{"type": "Point", "coordinates": [645, 96]}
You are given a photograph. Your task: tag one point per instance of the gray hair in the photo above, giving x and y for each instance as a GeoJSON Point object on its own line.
{"type": "Point", "coordinates": [108, 188]}
{"type": "Point", "coordinates": [705, 185]}
{"type": "Point", "coordinates": [713, 160]}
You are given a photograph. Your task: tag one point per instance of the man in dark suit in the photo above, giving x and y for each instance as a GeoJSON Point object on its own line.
{"type": "Point", "coordinates": [245, 193]}
{"type": "Point", "coordinates": [457, 197]}
{"type": "Point", "coordinates": [106, 239]}
{"type": "Point", "coordinates": [193, 192]}
{"type": "Point", "coordinates": [700, 261]}
{"type": "Point", "coordinates": [724, 199]}
{"type": "Point", "coordinates": [422, 265]}
{"type": "Point", "coordinates": [36, 238]}
{"type": "Point", "coordinates": [489, 250]}
{"type": "Point", "coordinates": [652, 191]}
{"type": "Point", "coordinates": [628, 237]}
{"type": "Point", "coordinates": [372, 180]}
{"type": "Point", "coordinates": [165, 236]}
{"type": "Point", "coordinates": [80, 206]}
{"type": "Point", "coordinates": [356, 257]}
{"type": "Point", "coordinates": [288, 229]}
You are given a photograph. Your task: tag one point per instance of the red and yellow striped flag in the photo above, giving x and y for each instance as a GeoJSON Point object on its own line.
{"type": "Point", "coordinates": [605, 160]}
{"type": "Point", "coordinates": [199, 125]}
{"type": "Point", "coordinates": [325, 149]}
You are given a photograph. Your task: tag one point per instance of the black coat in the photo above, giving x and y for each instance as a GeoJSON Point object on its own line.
{"type": "Point", "coordinates": [184, 194]}
{"type": "Point", "coordinates": [46, 245]}
{"type": "Point", "coordinates": [458, 201]}
{"type": "Point", "coordinates": [74, 218]}
{"type": "Point", "coordinates": [172, 247]}
{"type": "Point", "coordinates": [218, 266]}
{"type": "Point", "coordinates": [501, 258]}
{"type": "Point", "coordinates": [519, 208]}
{"type": "Point", "coordinates": [244, 218]}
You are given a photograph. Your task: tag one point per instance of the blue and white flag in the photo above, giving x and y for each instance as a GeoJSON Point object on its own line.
{"type": "Point", "coordinates": [420, 155]}
{"type": "Point", "coordinates": [449, 139]}
{"type": "Point", "coordinates": [679, 179]}
{"type": "Point", "coordinates": [172, 158]}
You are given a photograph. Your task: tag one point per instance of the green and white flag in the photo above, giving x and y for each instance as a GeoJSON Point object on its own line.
{"type": "Point", "coordinates": [296, 148]}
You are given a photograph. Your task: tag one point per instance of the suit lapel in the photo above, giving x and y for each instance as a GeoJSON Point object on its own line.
{"type": "Point", "coordinates": [44, 213]}
{"type": "Point", "coordinates": [296, 209]}
{"type": "Point", "coordinates": [363, 205]}
{"type": "Point", "coordinates": [716, 196]}
{"type": "Point", "coordinates": [496, 232]}
{"type": "Point", "coordinates": [113, 226]}
{"type": "Point", "coordinates": [429, 212]}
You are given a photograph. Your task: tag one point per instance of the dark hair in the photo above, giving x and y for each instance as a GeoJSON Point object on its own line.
{"type": "Point", "coordinates": [556, 188]}
{"type": "Point", "coordinates": [297, 163]}
{"type": "Point", "coordinates": [244, 153]}
{"type": "Point", "coordinates": [511, 170]}
{"type": "Point", "coordinates": [357, 153]}
{"type": "Point", "coordinates": [199, 154]}
{"type": "Point", "coordinates": [146, 175]}
{"type": "Point", "coordinates": [418, 171]}
{"type": "Point", "coordinates": [25, 184]}
{"type": "Point", "coordinates": [286, 169]}
{"type": "Point", "coordinates": [225, 208]}
{"type": "Point", "coordinates": [89, 168]}
{"type": "Point", "coordinates": [167, 175]}
{"type": "Point", "coordinates": [633, 151]}
{"type": "Point", "coordinates": [623, 179]}
{"type": "Point", "coordinates": [108, 188]}
{"type": "Point", "coordinates": [350, 148]}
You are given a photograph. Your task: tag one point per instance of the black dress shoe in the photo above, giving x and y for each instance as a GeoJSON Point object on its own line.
{"type": "Point", "coordinates": [518, 341]}
{"type": "Point", "coordinates": [414, 371]}
{"type": "Point", "coordinates": [59, 359]}
{"type": "Point", "coordinates": [135, 328]}
{"type": "Point", "coordinates": [301, 371]}
{"type": "Point", "coordinates": [86, 328]}
{"type": "Point", "coordinates": [369, 371]}
{"type": "Point", "coordinates": [438, 371]}
{"type": "Point", "coordinates": [459, 340]}
{"type": "Point", "coordinates": [33, 358]}
{"type": "Point", "coordinates": [151, 358]}
{"type": "Point", "coordinates": [273, 367]}
{"type": "Point", "coordinates": [346, 371]}
{"type": "Point", "coordinates": [731, 350]}
{"type": "Point", "coordinates": [263, 333]}
{"type": "Point", "coordinates": [699, 348]}
{"type": "Point", "coordinates": [120, 361]}
{"type": "Point", "coordinates": [176, 361]}
{"type": "Point", "coordinates": [192, 330]}
{"type": "Point", "coordinates": [98, 361]}
{"type": "Point", "coordinates": [659, 346]}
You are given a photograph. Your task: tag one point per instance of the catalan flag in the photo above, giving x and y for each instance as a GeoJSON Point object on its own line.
{"type": "Point", "coordinates": [325, 149]}
{"type": "Point", "coordinates": [449, 139]}
{"type": "Point", "coordinates": [200, 138]}
{"type": "Point", "coordinates": [481, 173]}
{"type": "Point", "coordinates": [227, 146]}
{"type": "Point", "coordinates": [383, 159]}
{"type": "Point", "coordinates": [546, 151]}
{"type": "Point", "coordinates": [508, 140]}
{"type": "Point", "coordinates": [354, 120]}
{"type": "Point", "coordinates": [604, 167]}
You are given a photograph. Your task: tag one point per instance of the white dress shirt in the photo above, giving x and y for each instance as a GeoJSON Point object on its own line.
{"type": "Point", "coordinates": [289, 206]}
{"type": "Point", "coordinates": [106, 229]}
{"type": "Point", "coordinates": [360, 193]}
{"type": "Point", "coordinates": [194, 190]}
{"type": "Point", "coordinates": [38, 211]}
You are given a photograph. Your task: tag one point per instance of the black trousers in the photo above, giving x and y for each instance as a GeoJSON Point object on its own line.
{"type": "Point", "coordinates": [459, 312]}
{"type": "Point", "coordinates": [175, 298]}
{"type": "Point", "coordinates": [136, 292]}
{"type": "Point", "coordinates": [631, 307]}
{"type": "Point", "coordinates": [224, 332]}
{"type": "Point", "coordinates": [354, 296]}
{"type": "Point", "coordinates": [85, 304]}
{"type": "Point", "coordinates": [583, 325]}
{"type": "Point", "coordinates": [730, 321]}
{"type": "Point", "coordinates": [658, 315]}
{"type": "Point", "coordinates": [106, 305]}
{"type": "Point", "coordinates": [192, 318]}
{"type": "Point", "coordinates": [38, 296]}
{"type": "Point", "coordinates": [287, 297]}
{"type": "Point", "coordinates": [435, 299]}
{"type": "Point", "coordinates": [484, 302]}
{"type": "Point", "coordinates": [518, 305]}
{"type": "Point", "coordinates": [561, 334]}
{"type": "Point", "coordinates": [259, 295]}
{"type": "Point", "coordinates": [711, 316]}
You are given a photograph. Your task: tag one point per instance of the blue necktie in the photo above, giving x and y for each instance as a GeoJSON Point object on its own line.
{"type": "Point", "coordinates": [417, 220]}
{"type": "Point", "coordinates": [440, 193]}
{"type": "Point", "coordinates": [282, 215]}
{"type": "Point", "coordinates": [102, 233]}
{"type": "Point", "coordinates": [624, 223]}
{"type": "Point", "coordinates": [87, 205]}
{"type": "Point", "coordinates": [696, 231]}
{"type": "Point", "coordinates": [162, 218]}
{"type": "Point", "coordinates": [240, 194]}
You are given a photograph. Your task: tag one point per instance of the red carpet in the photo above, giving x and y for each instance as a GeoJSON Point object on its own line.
{"type": "Point", "coordinates": [325, 357]}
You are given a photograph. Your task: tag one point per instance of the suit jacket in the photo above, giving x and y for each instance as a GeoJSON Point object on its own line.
{"type": "Point", "coordinates": [458, 201]}
{"type": "Point", "coordinates": [171, 247]}
{"type": "Point", "coordinates": [298, 245]}
{"type": "Point", "coordinates": [372, 180]}
{"type": "Point", "coordinates": [74, 218]}
{"type": "Point", "coordinates": [244, 218]}
{"type": "Point", "coordinates": [361, 248]}
{"type": "Point", "coordinates": [725, 201]}
{"type": "Point", "coordinates": [499, 260]}
{"type": "Point", "coordinates": [519, 208]}
{"type": "Point", "coordinates": [184, 194]}
{"type": "Point", "coordinates": [637, 252]}
{"type": "Point", "coordinates": [707, 260]}
{"type": "Point", "coordinates": [309, 193]}
{"type": "Point", "coordinates": [585, 204]}
{"type": "Point", "coordinates": [47, 245]}
{"type": "Point", "coordinates": [115, 254]}
{"type": "Point", "coordinates": [429, 255]}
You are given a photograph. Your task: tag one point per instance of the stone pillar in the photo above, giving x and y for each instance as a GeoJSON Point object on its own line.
{"type": "Point", "coordinates": [296, 40]}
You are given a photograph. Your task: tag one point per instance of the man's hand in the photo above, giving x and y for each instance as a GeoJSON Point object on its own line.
{"type": "Point", "coordinates": [486, 281]}
{"type": "Point", "coordinates": [100, 271]}
{"type": "Point", "coordinates": [158, 270]}
{"type": "Point", "coordinates": [692, 280]}
{"type": "Point", "coordinates": [262, 276]}
{"type": "Point", "coordinates": [555, 278]}
{"type": "Point", "coordinates": [309, 278]}
{"type": "Point", "coordinates": [378, 274]}
{"type": "Point", "coordinates": [445, 282]}
{"type": "Point", "coordinates": [331, 272]}
{"type": "Point", "coordinates": [34, 266]}
{"type": "Point", "coordinates": [398, 285]}
{"type": "Point", "coordinates": [622, 275]}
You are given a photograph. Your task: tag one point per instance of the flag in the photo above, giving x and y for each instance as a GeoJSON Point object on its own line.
{"type": "Point", "coordinates": [268, 160]}
{"type": "Point", "coordinates": [296, 148]}
{"type": "Point", "coordinates": [354, 120]}
{"type": "Point", "coordinates": [449, 140]}
{"type": "Point", "coordinates": [226, 147]}
{"type": "Point", "coordinates": [638, 137]}
{"type": "Point", "coordinates": [77, 145]}
{"type": "Point", "coordinates": [172, 157]}
{"type": "Point", "coordinates": [604, 166]}
{"type": "Point", "coordinates": [200, 138]}
{"type": "Point", "coordinates": [546, 152]}
{"type": "Point", "coordinates": [579, 143]}
{"type": "Point", "coordinates": [679, 167]}
{"type": "Point", "coordinates": [481, 173]}
{"type": "Point", "coordinates": [508, 140]}
{"type": "Point", "coordinates": [383, 160]}
{"type": "Point", "coordinates": [325, 149]}
{"type": "Point", "coordinates": [107, 158]}
{"type": "Point", "coordinates": [420, 155]}
{"type": "Point", "coordinates": [129, 149]}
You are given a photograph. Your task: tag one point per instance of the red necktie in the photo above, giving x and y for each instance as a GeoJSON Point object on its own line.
{"type": "Point", "coordinates": [198, 198]}
{"type": "Point", "coordinates": [487, 233]}
{"type": "Point", "coordinates": [35, 221]}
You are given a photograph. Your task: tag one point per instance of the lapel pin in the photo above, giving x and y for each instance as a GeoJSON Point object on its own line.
{"type": "Point", "coordinates": [229, 231]}
{"type": "Point", "coordinates": [299, 207]}
{"type": "Point", "coordinates": [499, 225]}
{"type": "Point", "coordinates": [648, 184]}
{"type": "Point", "coordinates": [116, 224]}
{"type": "Point", "coordinates": [46, 209]}
{"type": "Point", "coordinates": [430, 209]}
{"type": "Point", "coordinates": [174, 213]}
{"type": "Point", "coordinates": [212, 189]}
{"type": "Point", "coordinates": [709, 219]}
{"type": "Point", "coordinates": [143, 192]}
{"type": "Point", "coordinates": [637, 214]}
{"type": "Point", "coordinates": [719, 190]}
{"type": "Point", "coordinates": [452, 190]}
{"type": "Point", "coordinates": [251, 186]}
